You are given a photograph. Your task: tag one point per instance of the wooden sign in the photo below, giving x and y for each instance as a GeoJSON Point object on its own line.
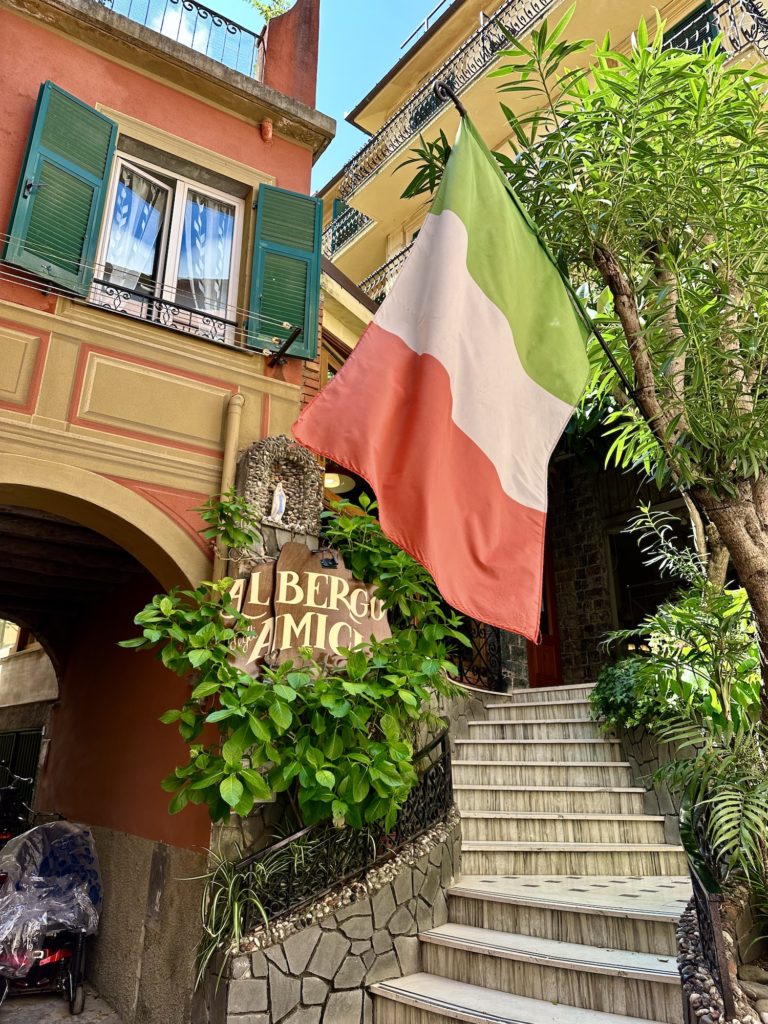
{"type": "Point", "coordinates": [300, 602]}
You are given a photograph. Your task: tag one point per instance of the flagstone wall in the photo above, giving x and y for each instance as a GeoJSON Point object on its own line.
{"type": "Point", "coordinates": [364, 933]}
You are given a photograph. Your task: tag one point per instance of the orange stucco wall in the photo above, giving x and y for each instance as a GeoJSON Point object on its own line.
{"type": "Point", "coordinates": [95, 78]}
{"type": "Point", "coordinates": [108, 751]}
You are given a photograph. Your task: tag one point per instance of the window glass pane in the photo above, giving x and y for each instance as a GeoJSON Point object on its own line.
{"type": "Point", "coordinates": [136, 232]}
{"type": "Point", "coordinates": [206, 253]}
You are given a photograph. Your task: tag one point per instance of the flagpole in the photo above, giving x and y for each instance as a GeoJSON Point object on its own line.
{"type": "Point", "coordinates": [443, 92]}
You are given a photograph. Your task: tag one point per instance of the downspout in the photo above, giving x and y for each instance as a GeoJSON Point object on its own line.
{"type": "Point", "coordinates": [229, 466]}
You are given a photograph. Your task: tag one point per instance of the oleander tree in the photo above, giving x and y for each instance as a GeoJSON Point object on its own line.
{"type": "Point", "coordinates": [647, 175]}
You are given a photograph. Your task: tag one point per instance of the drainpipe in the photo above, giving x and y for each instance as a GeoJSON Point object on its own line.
{"type": "Point", "coordinates": [229, 466]}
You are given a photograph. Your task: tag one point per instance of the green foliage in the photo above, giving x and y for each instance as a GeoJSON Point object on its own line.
{"type": "Point", "coordinates": [337, 740]}
{"type": "Point", "coordinates": [623, 697]}
{"type": "Point", "coordinates": [227, 896]}
{"type": "Point", "coordinates": [430, 157]}
{"type": "Point", "coordinates": [647, 175]}
{"type": "Point", "coordinates": [408, 591]}
{"type": "Point", "coordinates": [697, 687]}
{"type": "Point", "coordinates": [231, 521]}
{"type": "Point", "coordinates": [270, 8]}
{"type": "Point", "coordinates": [703, 663]}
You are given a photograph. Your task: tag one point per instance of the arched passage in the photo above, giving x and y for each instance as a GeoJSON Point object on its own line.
{"type": "Point", "coordinates": [118, 513]}
{"type": "Point", "coordinates": [79, 556]}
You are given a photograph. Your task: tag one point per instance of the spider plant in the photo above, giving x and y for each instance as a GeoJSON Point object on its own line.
{"type": "Point", "coordinates": [228, 893]}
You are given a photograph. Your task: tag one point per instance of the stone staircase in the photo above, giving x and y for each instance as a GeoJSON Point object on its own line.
{"type": "Point", "coordinates": [566, 909]}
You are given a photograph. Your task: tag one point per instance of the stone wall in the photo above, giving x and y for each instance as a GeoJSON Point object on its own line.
{"type": "Point", "coordinates": [581, 568]}
{"type": "Point", "coordinates": [514, 661]}
{"type": "Point", "coordinates": [645, 755]}
{"type": "Point", "coordinates": [320, 972]}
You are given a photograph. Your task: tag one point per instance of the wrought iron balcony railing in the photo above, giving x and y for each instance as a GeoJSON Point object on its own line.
{"type": "Point", "coordinates": [378, 284]}
{"type": "Point", "coordinates": [468, 63]}
{"type": "Point", "coordinates": [742, 22]}
{"type": "Point", "coordinates": [342, 229]}
{"type": "Point", "coordinates": [196, 26]}
{"type": "Point", "coordinates": [155, 310]}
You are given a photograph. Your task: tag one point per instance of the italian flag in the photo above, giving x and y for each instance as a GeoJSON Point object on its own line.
{"type": "Point", "coordinates": [455, 397]}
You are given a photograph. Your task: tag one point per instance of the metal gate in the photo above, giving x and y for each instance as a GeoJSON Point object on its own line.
{"type": "Point", "coordinates": [19, 755]}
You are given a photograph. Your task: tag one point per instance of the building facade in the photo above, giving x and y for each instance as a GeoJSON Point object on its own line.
{"type": "Point", "coordinates": [159, 246]}
{"type": "Point", "coordinates": [593, 580]}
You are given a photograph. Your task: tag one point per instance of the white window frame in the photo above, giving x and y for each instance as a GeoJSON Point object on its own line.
{"type": "Point", "coordinates": [170, 252]}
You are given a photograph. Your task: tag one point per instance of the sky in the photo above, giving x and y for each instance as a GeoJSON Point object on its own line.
{"type": "Point", "coordinates": [359, 41]}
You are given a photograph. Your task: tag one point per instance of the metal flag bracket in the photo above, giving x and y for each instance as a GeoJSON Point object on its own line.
{"type": "Point", "coordinates": [444, 92]}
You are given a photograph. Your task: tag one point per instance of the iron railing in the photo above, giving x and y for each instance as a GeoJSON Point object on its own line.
{"type": "Point", "coordinates": [707, 900]}
{"type": "Point", "coordinates": [742, 22]}
{"type": "Point", "coordinates": [198, 27]}
{"type": "Point", "coordinates": [462, 68]}
{"type": "Point", "coordinates": [480, 664]}
{"type": "Point", "coordinates": [306, 866]}
{"type": "Point", "coordinates": [342, 229]}
{"type": "Point", "coordinates": [173, 315]}
{"type": "Point", "coordinates": [378, 285]}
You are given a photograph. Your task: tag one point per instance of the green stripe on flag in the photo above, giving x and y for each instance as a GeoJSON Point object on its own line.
{"type": "Point", "coordinates": [511, 265]}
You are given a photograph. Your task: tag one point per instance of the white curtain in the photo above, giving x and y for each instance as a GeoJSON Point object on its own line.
{"type": "Point", "coordinates": [206, 253]}
{"type": "Point", "coordinates": [137, 220]}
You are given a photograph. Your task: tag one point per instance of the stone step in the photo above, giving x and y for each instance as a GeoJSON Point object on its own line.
{"type": "Point", "coordinates": [551, 799]}
{"type": "Point", "coordinates": [635, 984]}
{"type": "Point", "coordinates": [426, 999]}
{"type": "Point", "coordinates": [576, 710]}
{"type": "Point", "coordinates": [630, 859]}
{"type": "Point", "coordinates": [638, 914]}
{"type": "Point", "coordinates": [512, 771]}
{"type": "Point", "coordinates": [534, 695]}
{"type": "Point", "coordinates": [529, 827]}
{"type": "Point", "coordinates": [543, 729]}
{"type": "Point", "coordinates": [531, 751]}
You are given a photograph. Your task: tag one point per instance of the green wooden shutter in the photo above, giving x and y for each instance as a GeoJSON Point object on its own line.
{"type": "Point", "coordinates": [56, 216]}
{"type": "Point", "coordinates": [285, 286]}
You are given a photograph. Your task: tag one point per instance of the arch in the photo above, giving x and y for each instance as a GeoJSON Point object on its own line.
{"type": "Point", "coordinates": [138, 526]}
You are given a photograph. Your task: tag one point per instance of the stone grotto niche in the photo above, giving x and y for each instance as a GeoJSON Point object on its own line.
{"type": "Point", "coordinates": [277, 473]}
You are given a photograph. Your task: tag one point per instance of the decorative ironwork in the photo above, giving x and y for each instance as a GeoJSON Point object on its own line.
{"type": "Point", "coordinates": [140, 306]}
{"type": "Point", "coordinates": [379, 284]}
{"type": "Point", "coordinates": [708, 903]}
{"type": "Point", "coordinates": [480, 665]}
{"type": "Point", "coordinates": [743, 22]}
{"type": "Point", "coordinates": [342, 229]}
{"type": "Point", "coordinates": [196, 26]}
{"type": "Point", "coordinates": [467, 64]}
{"type": "Point", "coordinates": [305, 866]}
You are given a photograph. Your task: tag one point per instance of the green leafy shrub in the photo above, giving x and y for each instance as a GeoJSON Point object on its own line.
{"type": "Point", "coordinates": [623, 697]}
{"type": "Point", "coordinates": [339, 741]}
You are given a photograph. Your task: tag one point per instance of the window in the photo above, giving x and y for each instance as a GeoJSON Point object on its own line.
{"type": "Point", "coordinates": [170, 252]}
{"type": "Point", "coordinates": [161, 243]}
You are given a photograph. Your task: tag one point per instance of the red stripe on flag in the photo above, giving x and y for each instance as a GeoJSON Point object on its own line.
{"type": "Point", "coordinates": [388, 418]}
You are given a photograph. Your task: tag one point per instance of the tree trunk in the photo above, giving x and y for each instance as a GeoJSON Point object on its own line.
{"type": "Point", "coordinates": [744, 532]}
